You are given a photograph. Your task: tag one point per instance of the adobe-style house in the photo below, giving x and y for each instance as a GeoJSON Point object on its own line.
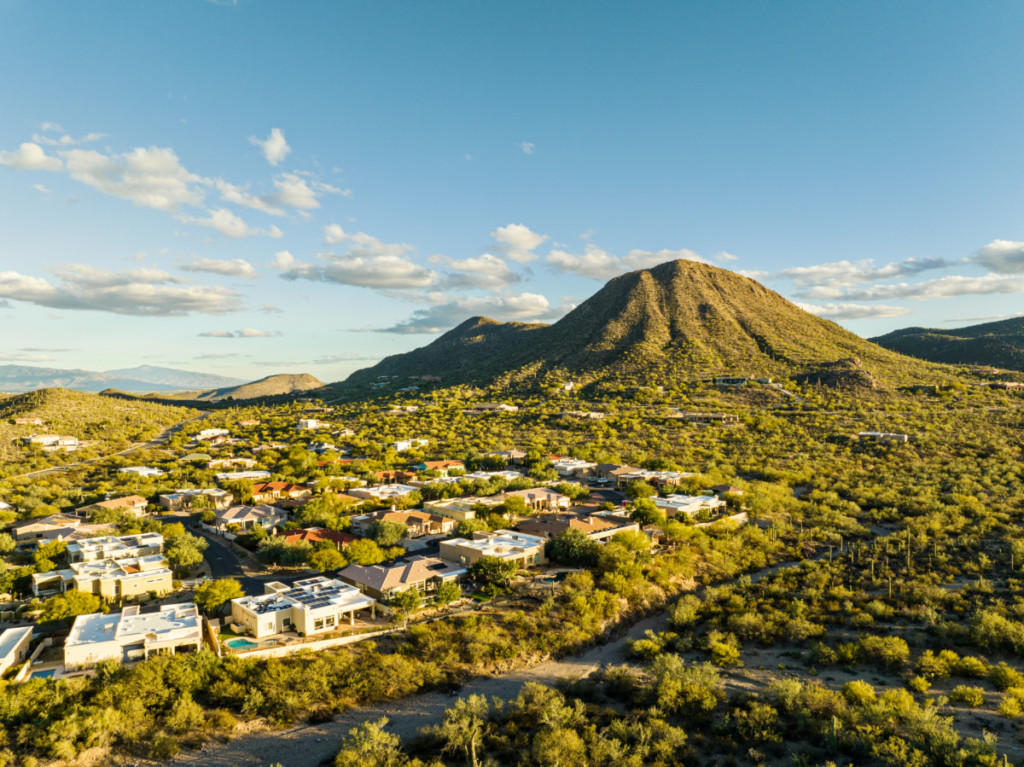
{"type": "Point", "coordinates": [509, 545]}
{"type": "Point", "coordinates": [134, 505]}
{"type": "Point", "coordinates": [540, 498]}
{"type": "Point", "coordinates": [268, 492]}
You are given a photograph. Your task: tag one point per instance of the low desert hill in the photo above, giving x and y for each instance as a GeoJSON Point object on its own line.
{"type": "Point", "coordinates": [992, 344]}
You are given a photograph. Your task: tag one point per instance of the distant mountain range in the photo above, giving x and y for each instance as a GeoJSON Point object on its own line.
{"type": "Point", "coordinates": [144, 378]}
{"type": "Point", "coordinates": [678, 322]}
{"type": "Point", "coordinates": [991, 344]}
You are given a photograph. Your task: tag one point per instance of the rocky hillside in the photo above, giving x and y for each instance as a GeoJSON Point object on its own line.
{"type": "Point", "coordinates": [992, 344]}
{"type": "Point", "coordinates": [271, 386]}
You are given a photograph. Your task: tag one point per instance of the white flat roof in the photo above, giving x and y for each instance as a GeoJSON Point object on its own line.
{"type": "Point", "coordinates": [171, 622]}
{"type": "Point", "coordinates": [11, 638]}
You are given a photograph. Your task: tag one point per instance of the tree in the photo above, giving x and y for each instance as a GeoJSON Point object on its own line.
{"type": "Point", "coordinates": [494, 571]}
{"type": "Point", "coordinates": [185, 551]}
{"type": "Point", "coordinates": [365, 552]}
{"type": "Point", "coordinates": [7, 543]}
{"type": "Point", "coordinates": [447, 593]}
{"type": "Point", "coordinates": [406, 601]}
{"type": "Point", "coordinates": [172, 530]}
{"type": "Point", "coordinates": [573, 547]}
{"type": "Point", "coordinates": [327, 559]}
{"type": "Point", "coordinates": [368, 745]}
{"type": "Point", "coordinates": [211, 595]}
{"type": "Point", "coordinates": [386, 533]}
{"type": "Point", "coordinates": [640, 489]}
{"type": "Point", "coordinates": [209, 516]}
{"type": "Point", "coordinates": [464, 727]}
{"type": "Point", "coordinates": [646, 512]}
{"type": "Point", "coordinates": [515, 507]}
{"type": "Point", "coordinates": [69, 604]}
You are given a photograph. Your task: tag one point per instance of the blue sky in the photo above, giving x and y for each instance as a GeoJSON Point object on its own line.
{"type": "Point", "coordinates": [249, 188]}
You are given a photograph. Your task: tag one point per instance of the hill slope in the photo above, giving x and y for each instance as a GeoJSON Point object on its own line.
{"type": "Point", "coordinates": [996, 344]}
{"type": "Point", "coordinates": [678, 321]}
{"type": "Point", "coordinates": [184, 380]}
{"type": "Point", "coordinates": [270, 386]}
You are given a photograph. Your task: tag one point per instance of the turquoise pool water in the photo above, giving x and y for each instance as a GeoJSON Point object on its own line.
{"type": "Point", "coordinates": [47, 674]}
{"type": "Point", "coordinates": [241, 644]}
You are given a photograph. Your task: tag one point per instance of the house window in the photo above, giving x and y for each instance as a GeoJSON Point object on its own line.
{"type": "Point", "coordinates": [318, 624]}
{"type": "Point", "coordinates": [270, 624]}
{"type": "Point", "coordinates": [329, 620]}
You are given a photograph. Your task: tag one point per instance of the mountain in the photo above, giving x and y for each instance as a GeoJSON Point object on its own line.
{"type": "Point", "coordinates": [679, 321]}
{"type": "Point", "coordinates": [184, 380]}
{"type": "Point", "coordinates": [271, 386]}
{"type": "Point", "coordinates": [992, 344]}
{"type": "Point", "coordinates": [23, 378]}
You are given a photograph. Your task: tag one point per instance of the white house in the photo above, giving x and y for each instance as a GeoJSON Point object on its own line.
{"type": "Point", "coordinates": [234, 476]}
{"type": "Point", "coordinates": [573, 467]}
{"type": "Point", "coordinates": [181, 500]}
{"type": "Point", "coordinates": [248, 516]}
{"type": "Point", "coordinates": [382, 492]}
{"type": "Point", "coordinates": [130, 636]}
{"type": "Point", "coordinates": [405, 445]}
{"type": "Point", "coordinates": [311, 424]}
{"type": "Point", "coordinates": [311, 606]}
{"type": "Point", "coordinates": [142, 471]}
{"type": "Point", "coordinates": [688, 504]}
{"type": "Point", "coordinates": [14, 647]}
{"type": "Point", "coordinates": [505, 544]}
{"type": "Point", "coordinates": [206, 434]}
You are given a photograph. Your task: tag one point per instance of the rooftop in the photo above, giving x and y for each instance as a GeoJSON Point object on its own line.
{"type": "Point", "coordinates": [11, 638]}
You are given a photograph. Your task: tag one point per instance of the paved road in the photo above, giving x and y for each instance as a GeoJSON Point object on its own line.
{"type": "Point", "coordinates": [224, 563]}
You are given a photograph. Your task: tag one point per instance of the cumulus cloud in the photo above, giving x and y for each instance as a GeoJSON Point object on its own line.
{"type": "Point", "coordinates": [448, 311]}
{"type": "Point", "coordinates": [230, 225]}
{"type": "Point", "coordinates": [274, 146]}
{"type": "Point", "coordinates": [144, 292]}
{"type": "Point", "coordinates": [237, 267]}
{"type": "Point", "coordinates": [243, 333]}
{"type": "Point", "coordinates": [152, 177]}
{"type": "Point", "coordinates": [368, 271]}
{"type": "Point", "coordinates": [945, 287]}
{"type": "Point", "coordinates": [296, 191]}
{"type": "Point", "coordinates": [599, 264]}
{"type": "Point", "coordinates": [66, 140]}
{"type": "Point", "coordinates": [238, 195]}
{"type": "Point", "coordinates": [855, 311]}
{"type": "Point", "coordinates": [528, 147]}
{"type": "Point", "coordinates": [518, 242]}
{"type": "Point", "coordinates": [30, 156]}
{"type": "Point", "coordinates": [486, 272]}
{"type": "Point", "coordinates": [41, 188]}
{"type": "Point", "coordinates": [840, 273]}
{"type": "Point", "coordinates": [1001, 256]}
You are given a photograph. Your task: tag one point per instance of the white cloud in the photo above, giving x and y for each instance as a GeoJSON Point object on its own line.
{"type": "Point", "coordinates": [143, 292]}
{"type": "Point", "coordinates": [238, 195]}
{"type": "Point", "coordinates": [274, 147]}
{"type": "Point", "coordinates": [26, 358]}
{"type": "Point", "coordinates": [41, 188]}
{"type": "Point", "coordinates": [518, 242]}
{"type": "Point", "coordinates": [369, 271]}
{"type": "Point", "coordinates": [945, 287]}
{"type": "Point", "coordinates": [840, 273]}
{"type": "Point", "coordinates": [243, 333]}
{"type": "Point", "coordinates": [67, 140]}
{"type": "Point", "coordinates": [447, 312]}
{"type": "Point", "coordinates": [153, 177]}
{"type": "Point", "coordinates": [599, 264]}
{"type": "Point", "coordinates": [230, 225]}
{"type": "Point", "coordinates": [487, 272]}
{"type": "Point", "coordinates": [271, 309]}
{"type": "Point", "coordinates": [283, 260]}
{"type": "Point", "coordinates": [855, 311]}
{"type": "Point", "coordinates": [362, 244]}
{"type": "Point", "coordinates": [30, 156]}
{"type": "Point", "coordinates": [295, 191]}
{"type": "Point", "coordinates": [527, 146]}
{"type": "Point", "coordinates": [1002, 257]}
{"type": "Point", "coordinates": [237, 267]}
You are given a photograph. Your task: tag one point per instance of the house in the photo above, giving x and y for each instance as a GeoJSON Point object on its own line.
{"type": "Point", "coordinates": [315, 535]}
{"type": "Point", "coordinates": [573, 467]}
{"type": "Point", "coordinates": [459, 509]}
{"type": "Point", "coordinates": [721, 490]}
{"type": "Point", "coordinates": [208, 434]}
{"type": "Point", "coordinates": [14, 647]}
{"type": "Point", "coordinates": [248, 516]}
{"type": "Point", "coordinates": [487, 476]}
{"type": "Point", "coordinates": [612, 471]}
{"type": "Point", "coordinates": [510, 456]}
{"type": "Point", "coordinates": [402, 409]}
{"type": "Point", "coordinates": [131, 636]}
{"type": "Point", "coordinates": [690, 505]}
{"type": "Point", "coordinates": [505, 544]}
{"type": "Point", "coordinates": [382, 492]}
{"type": "Point", "coordinates": [183, 500]}
{"type": "Point", "coordinates": [491, 407]}
{"type": "Point", "coordinates": [706, 418]}
{"type": "Point", "coordinates": [382, 582]}
{"type": "Point", "coordinates": [235, 476]}
{"type": "Point", "coordinates": [28, 421]}
{"type": "Point", "coordinates": [133, 505]}
{"type": "Point", "coordinates": [311, 606]}
{"type": "Point", "coordinates": [55, 527]}
{"type": "Point", "coordinates": [115, 547]}
{"type": "Point", "coordinates": [882, 436]}
{"type": "Point", "coordinates": [595, 528]}
{"type": "Point", "coordinates": [111, 579]}
{"type": "Point", "coordinates": [4, 506]}
{"type": "Point", "coordinates": [730, 381]}
{"type": "Point", "coordinates": [249, 422]}
{"type": "Point", "coordinates": [393, 476]}
{"type": "Point", "coordinates": [540, 498]}
{"type": "Point", "coordinates": [418, 522]}
{"type": "Point", "coordinates": [51, 442]}
{"type": "Point", "coordinates": [311, 424]}
{"type": "Point", "coordinates": [1006, 385]}
{"type": "Point", "coordinates": [440, 466]}
{"type": "Point", "coordinates": [586, 415]}
{"type": "Point", "coordinates": [268, 492]}
{"type": "Point", "coordinates": [406, 445]}
{"type": "Point", "coordinates": [654, 478]}
{"type": "Point", "coordinates": [142, 471]}
{"type": "Point", "coordinates": [230, 463]}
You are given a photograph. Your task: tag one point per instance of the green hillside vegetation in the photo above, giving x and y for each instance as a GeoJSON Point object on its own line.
{"type": "Point", "coordinates": [105, 424]}
{"type": "Point", "coordinates": [271, 386]}
{"type": "Point", "coordinates": [995, 344]}
{"type": "Point", "coordinates": [680, 321]}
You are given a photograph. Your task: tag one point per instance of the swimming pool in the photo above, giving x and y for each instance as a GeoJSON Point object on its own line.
{"type": "Point", "coordinates": [241, 644]}
{"type": "Point", "coordinates": [47, 674]}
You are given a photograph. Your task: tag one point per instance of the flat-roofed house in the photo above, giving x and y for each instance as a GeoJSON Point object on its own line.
{"type": "Point", "coordinates": [133, 505]}
{"type": "Point", "coordinates": [504, 544]}
{"type": "Point", "coordinates": [110, 567]}
{"type": "Point", "coordinates": [540, 498]}
{"type": "Point", "coordinates": [14, 644]}
{"type": "Point", "coordinates": [311, 606]}
{"type": "Point", "coordinates": [459, 509]}
{"type": "Point", "coordinates": [442, 467]}
{"type": "Point", "coordinates": [689, 505]}
{"type": "Point", "coordinates": [382, 492]}
{"type": "Point", "coordinates": [183, 500]}
{"type": "Point", "coordinates": [131, 636]}
{"type": "Point", "coordinates": [382, 582]}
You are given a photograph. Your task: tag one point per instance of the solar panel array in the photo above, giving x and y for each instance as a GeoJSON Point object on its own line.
{"type": "Point", "coordinates": [316, 598]}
